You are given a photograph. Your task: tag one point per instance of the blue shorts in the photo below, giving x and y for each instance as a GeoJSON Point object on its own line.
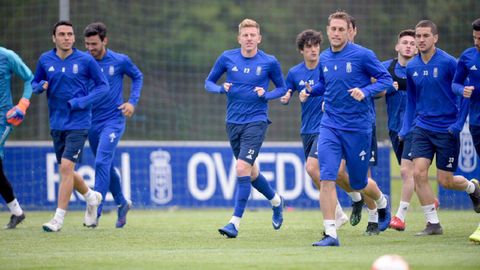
{"type": "Point", "coordinates": [309, 142]}
{"type": "Point", "coordinates": [373, 148]}
{"type": "Point", "coordinates": [68, 144]}
{"type": "Point", "coordinates": [446, 147]}
{"type": "Point", "coordinates": [397, 145]}
{"type": "Point", "coordinates": [475, 132]}
{"type": "Point", "coordinates": [407, 147]}
{"type": "Point", "coordinates": [353, 145]}
{"type": "Point", "coordinates": [246, 139]}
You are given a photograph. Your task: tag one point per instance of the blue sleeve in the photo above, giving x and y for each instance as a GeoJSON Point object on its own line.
{"type": "Point", "coordinates": [23, 72]}
{"type": "Point", "coordinates": [99, 90]}
{"type": "Point", "coordinates": [457, 127]}
{"type": "Point", "coordinates": [460, 76]}
{"type": "Point", "coordinates": [410, 108]}
{"type": "Point", "coordinates": [376, 70]}
{"type": "Point", "coordinates": [319, 88]}
{"type": "Point", "coordinates": [290, 83]}
{"type": "Point", "coordinates": [137, 80]}
{"type": "Point", "coordinates": [277, 79]}
{"type": "Point", "coordinates": [217, 71]}
{"type": "Point", "coordinates": [39, 78]}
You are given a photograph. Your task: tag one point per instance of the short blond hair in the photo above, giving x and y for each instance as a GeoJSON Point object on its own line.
{"type": "Point", "coordinates": [248, 23]}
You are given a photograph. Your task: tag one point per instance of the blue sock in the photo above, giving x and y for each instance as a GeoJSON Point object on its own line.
{"type": "Point", "coordinates": [261, 184]}
{"type": "Point", "coordinates": [241, 196]}
{"type": "Point", "coordinates": [116, 187]}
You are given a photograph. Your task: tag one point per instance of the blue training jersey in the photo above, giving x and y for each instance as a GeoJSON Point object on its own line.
{"type": "Point", "coordinates": [114, 66]}
{"type": "Point", "coordinates": [312, 113]}
{"type": "Point", "coordinates": [69, 99]}
{"type": "Point", "coordinates": [468, 67]}
{"type": "Point", "coordinates": [353, 66]}
{"type": "Point", "coordinates": [243, 103]}
{"type": "Point", "coordinates": [396, 100]}
{"type": "Point", "coordinates": [431, 102]}
{"type": "Point", "coordinates": [11, 63]}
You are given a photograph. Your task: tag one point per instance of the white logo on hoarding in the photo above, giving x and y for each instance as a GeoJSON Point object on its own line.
{"type": "Point", "coordinates": [467, 159]}
{"type": "Point", "coordinates": [161, 191]}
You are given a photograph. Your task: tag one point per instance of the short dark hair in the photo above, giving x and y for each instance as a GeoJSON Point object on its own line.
{"type": "Point", "coordinates": [96, 28]}
{"type": "Point", "coordinates": [310, 37]}
{"type": "Point", "coordinates": [406, 32]}
{"type": "Point", "coordinates": [476, 25]}
{"type": "Point", "coordinates": [353, 21]}
{"type": "Point", "coordinates": [427, 23]}
{"type": "Point", "coordinates": [341, 15]}
{"type": "Point", "coordinates": [60, 23]}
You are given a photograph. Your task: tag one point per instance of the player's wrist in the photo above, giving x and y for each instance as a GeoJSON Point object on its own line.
{"type": "Point", "coordinates": [23, 104]}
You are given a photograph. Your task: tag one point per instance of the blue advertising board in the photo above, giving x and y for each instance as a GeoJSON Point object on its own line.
{"type": "Point", "coordinates": [173, 174]}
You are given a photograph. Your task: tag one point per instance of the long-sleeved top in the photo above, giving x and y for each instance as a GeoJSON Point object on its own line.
{"type": "Point", "coordinates": [69, 99]}
{"type": "Point", "coordinates": [243, 103]}
{"type": "Point", "coordinates": [114, 66]}
{"type": "Point", "coordinates": [431, 102]}
{"type": "Point", "coordinates": [396, 100]}
{"type": "Point", "coordinates": [312, 113]}
{"type": "Point", "coordinates": [468, 66]}
{"type": "Point", "coordinates": [352, 67]}
{"type": "Point", "coordinates": [11, 63]}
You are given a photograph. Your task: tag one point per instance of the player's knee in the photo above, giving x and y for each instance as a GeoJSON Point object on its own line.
{"type": "Point", "coordinates": [446, 181]}
{"type": "Point", "coordinates": [405, 172]}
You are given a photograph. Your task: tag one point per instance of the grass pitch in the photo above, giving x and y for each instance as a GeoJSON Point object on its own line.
{"type": "Point", "coordinates": [188, 239]}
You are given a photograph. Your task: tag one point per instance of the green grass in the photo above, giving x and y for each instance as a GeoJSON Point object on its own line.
{"type": "Point", "coordinates": [188, 239]}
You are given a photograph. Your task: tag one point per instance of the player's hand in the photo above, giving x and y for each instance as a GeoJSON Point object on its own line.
{"type": "Point", "coordinates": [357, 94]}
{"type": "Point", "coordinates": [260, 91]}
{"type": "Point", "coordinates": [286, 98]}
{"type": "Point", "coordinates": [45, 86]}
{"type": "Point", "coordinates": [127, 109]}
{"type": "Point", "coordinates": [395, 85]}
{"type": "Point", "coordinates": [303, 96]}
{"type": "Point", "coordinates": [308, 87]}
{"type": "Point", "coordinates": [467, 91]}
{"type": "Point", "coordinates": [16, 114]}
{"type": "Point", "coordinates": [226, 86]}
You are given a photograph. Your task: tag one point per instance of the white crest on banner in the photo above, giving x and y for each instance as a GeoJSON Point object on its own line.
{"type": "Point", "coordinates": [161, 190]}
{"type": "Point", "coordinates": [467, 159]}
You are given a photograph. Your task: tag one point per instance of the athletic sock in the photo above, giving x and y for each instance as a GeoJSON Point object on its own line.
{"type": "Point", "coordinates": [276, 200]}
{"type": "Point", "coordinates": [330, 228]}
{"type": "Point", "coordinates": [430, 214]}
{"type": "Point", "coordinates": [372, 215]}
{"type": "Point", "coordinates": [261, 184]}
{"type": "Point", "coordinates": [470, 187]}
{"type": "Point", "coordinates": [235, 221]}
{"type": "Point", "coordinates": [15, 208]}
{"type": "Point", "coordinates": [355, 196]}
{"type": "Point", "coordinates": [402, 210]}
{"type": "Point", "coordinates": [382, 202]}
{"type": "Point", "coordinates": [60, 215]}
{"type": "Point", "coordinates": [241, 196]}
{"type": "Point", "coordinates": [338, 210]}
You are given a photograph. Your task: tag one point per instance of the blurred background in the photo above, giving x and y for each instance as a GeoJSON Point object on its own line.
{"type": "Point", "coordinates": [176, 42]}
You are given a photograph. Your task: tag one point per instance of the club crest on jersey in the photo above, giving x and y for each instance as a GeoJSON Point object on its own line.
{"type": "Point", "coordinates": [348, 67]}
{"type": "Point", "coordinates": [63, 69]}
{"type": "Point", "coordinates": [111, 70]}
{"type": "Point", "coordinates": [75, 69]}
{"type": "Point", "coordinates": [258, 71]}
{"type": "Point", "coordinates": [435, 72]}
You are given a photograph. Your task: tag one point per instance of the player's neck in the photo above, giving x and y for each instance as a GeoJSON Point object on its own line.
{"type": "Point", "coordinates": [311, 64]}
{"type": "Point", "coordinates": [403, 61]}
{"type": "Point", "coordinates": [100, 57]}
{"type": "Point", "coordinates": [426, 56]}
{"type": "Point", "coordinates": [63, 53]}
{"type": "Point", "coordinates": [248, 53]}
